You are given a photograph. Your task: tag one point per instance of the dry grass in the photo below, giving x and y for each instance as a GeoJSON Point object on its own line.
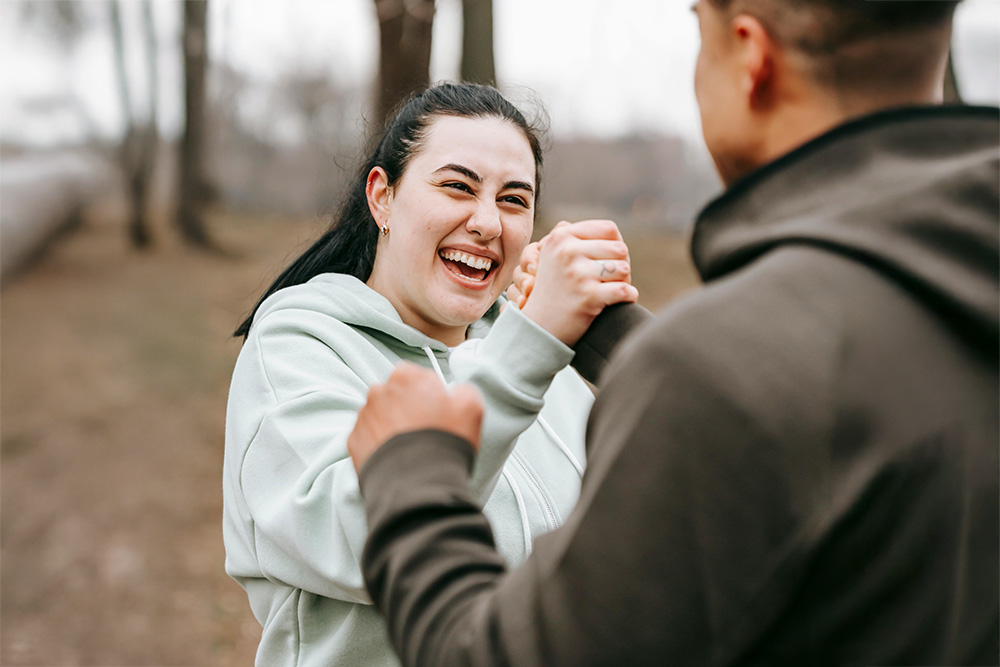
{"type": "Point", "coordinates": [115, 368]}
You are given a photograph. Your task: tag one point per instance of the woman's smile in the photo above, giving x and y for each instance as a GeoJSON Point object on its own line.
{"type": "Point", "coordinates": [471, 270]}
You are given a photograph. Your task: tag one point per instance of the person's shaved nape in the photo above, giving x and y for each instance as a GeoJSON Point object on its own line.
{"type": "Point", "coordinates": [857, 46]}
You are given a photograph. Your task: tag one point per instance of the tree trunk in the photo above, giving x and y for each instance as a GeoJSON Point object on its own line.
{"type": "Point", "coordinates": [131, 152]}
{"type": "Point", "coordinates": [405, 28]}
{"type": "Point", "coordinates": [189, 219]}
{"type": "Point", "coordinates": [951, 94]}
{"type": "Point", "coordinates": [151, 136]}
{"type": "Point", "coordinates": [477, 42]}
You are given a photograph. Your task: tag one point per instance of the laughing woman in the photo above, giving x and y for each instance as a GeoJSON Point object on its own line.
{"type": "Point", "coordinates": [412, 269]}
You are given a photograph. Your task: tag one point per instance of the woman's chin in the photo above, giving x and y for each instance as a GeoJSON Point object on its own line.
{"type": "Point", "coordinates": [463, 310]}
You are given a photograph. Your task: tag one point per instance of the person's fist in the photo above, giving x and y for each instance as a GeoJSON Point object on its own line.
{"type": "Point", "coordinates": [568, 278]}
{"type": "Point", "coordinates": [414, 399]}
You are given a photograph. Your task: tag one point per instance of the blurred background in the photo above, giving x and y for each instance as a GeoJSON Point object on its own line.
{"type": "Point", "coordinates": [161, 161]}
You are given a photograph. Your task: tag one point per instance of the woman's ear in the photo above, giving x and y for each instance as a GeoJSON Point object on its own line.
{"type": "Point", "coordinates": [379, 195]}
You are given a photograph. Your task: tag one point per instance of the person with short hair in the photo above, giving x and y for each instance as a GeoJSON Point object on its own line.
{"type": "Point", "coordinates": [799, 462]}
{"type": "Point", "coordinates": [412, 269]}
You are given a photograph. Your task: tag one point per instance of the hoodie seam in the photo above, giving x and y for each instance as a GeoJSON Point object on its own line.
{"type": "Point", "coordinates": [547, 505]}
{"type": "Point", "coordinates": [263, 368]}
{"type": "Point", "coordinates": [298, 625]}
{"type": "Point", "coordinates": [246, 452]}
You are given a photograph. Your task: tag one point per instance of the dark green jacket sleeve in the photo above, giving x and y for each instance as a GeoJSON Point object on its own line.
{"type": "Point", "coordinates": [632, 578]}
{"type": "Point", "coordinates": [594, 349]}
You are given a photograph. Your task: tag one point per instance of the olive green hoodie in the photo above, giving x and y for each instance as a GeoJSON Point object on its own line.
{"type": "Point", "coordinates": [294, 524]}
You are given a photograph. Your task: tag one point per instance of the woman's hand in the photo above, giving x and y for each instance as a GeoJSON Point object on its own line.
{"type": "Point", "coordinates": [524, 275]}
{"type": "Point", "coordinates": [565, 280]}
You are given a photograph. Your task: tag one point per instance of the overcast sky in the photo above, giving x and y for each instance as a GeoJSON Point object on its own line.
{"type": "Point", "coordinates": [600, 68]}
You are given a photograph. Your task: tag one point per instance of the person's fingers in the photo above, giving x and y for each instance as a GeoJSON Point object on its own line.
{"type": "Point", "coordinates": [596, 229]}
{"type": "Point", "coordinates": [562, 224]}
{"type": "Point", "coordinates": [514, 293]}
{"type": "Point", "coordinates": [529, 258]}
{"type": "Point", "coordinates": [527, 287]}
{"type": "Point", "coordinates": [518, 278]}
{"type": "Point", "coordinates": [591, 249]}
{"type": "Point", "coordinates": [561, 227]}
{"type": "Point", "coordinates": [520, 288]}
{"type": "Point", "coordinates": [468, 405]}
{"type": "Point", "coordinates": [616, 292]}
{"type": "Point", "coordinates": [608, 270]}
{"type": "Point", "coordinates": [405, 373]}
{"type": "Point", "coordinates": [408, 379]}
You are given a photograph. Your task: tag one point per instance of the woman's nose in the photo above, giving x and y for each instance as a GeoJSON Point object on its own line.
{"type": "Point", "coordinates": [485, 222]}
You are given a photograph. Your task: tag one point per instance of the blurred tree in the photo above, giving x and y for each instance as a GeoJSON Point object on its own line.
{"type": "Point", "coordinates": [65, 19]}
{"type": "Point", "coordinates": [951, 94]}
{"type": "Point", "coordinates": [193, 187]}
{"type": "Point", "coordinates": [405, 28]}
{"type": "Point", "coordinates": [137, 153]}
{"type": "Point", "coordinates": [477, 42]}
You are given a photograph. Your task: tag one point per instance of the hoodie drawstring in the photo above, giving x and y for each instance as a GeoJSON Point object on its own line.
{"type": "Point", "coordinates": [434, 362]}
{"type": "Point", "coordinates": [560, 444]}
{"type": "Point", "coordinates": [525, 526]}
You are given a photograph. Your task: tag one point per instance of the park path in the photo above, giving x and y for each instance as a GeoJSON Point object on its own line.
{"type": "Point", "coordinates": [113, 379]}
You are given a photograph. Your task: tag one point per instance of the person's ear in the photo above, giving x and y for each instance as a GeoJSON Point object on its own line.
{"type": "Point", "coordinates": [757, 54]}
{"type": "Point", "coordinates": [379, 195]}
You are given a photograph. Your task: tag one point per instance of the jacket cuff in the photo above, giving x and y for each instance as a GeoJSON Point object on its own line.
{"type": "Point", "coordinates": [596, 346]}
{"type": "Point", "coordinates": [528, 355]}
{"type": "Point", "coordinates": [415, 465]}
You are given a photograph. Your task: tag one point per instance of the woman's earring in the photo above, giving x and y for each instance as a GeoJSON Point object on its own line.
{"type": "Point", "coordinates": [384, 230]}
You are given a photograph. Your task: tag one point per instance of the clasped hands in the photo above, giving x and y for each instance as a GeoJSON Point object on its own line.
{"type": "Point", "coordinates": [562, 283]}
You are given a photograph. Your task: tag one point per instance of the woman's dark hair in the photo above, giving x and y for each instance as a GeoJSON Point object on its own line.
{"type": "Point", "coordinates": [348, 246]}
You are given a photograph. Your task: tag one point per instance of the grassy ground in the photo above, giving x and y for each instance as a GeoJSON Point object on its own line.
{"type": "Point", "coordinates": [113, 379]}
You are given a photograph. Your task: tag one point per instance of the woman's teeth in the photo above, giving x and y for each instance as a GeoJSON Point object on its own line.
{"type": "Point", "coordinates": [469, 260]}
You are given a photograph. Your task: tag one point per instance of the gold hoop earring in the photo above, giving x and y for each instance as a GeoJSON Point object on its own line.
{"type": "Point", "coordinates": [384, 230]}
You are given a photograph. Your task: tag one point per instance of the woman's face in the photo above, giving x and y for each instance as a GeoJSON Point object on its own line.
{"type": "Point", "coordinates": [458, 220]}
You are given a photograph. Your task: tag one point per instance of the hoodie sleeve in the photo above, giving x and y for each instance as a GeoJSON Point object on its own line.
{"type": "Point", "coordinates": [512, 366]}
{"type": "Point", "coordinates": [308, 523]}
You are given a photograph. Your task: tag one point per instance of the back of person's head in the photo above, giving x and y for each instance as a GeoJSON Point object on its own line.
{"type": "Point", "coordinates": [857, 47]}
{"type": "Point", "coordinates": [349, 244]}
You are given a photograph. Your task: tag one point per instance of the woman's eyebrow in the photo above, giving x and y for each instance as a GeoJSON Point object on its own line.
{"type": "Point", "coordinates": [519, 185]}
{"type": "Point", "coordinates": [465, 171]}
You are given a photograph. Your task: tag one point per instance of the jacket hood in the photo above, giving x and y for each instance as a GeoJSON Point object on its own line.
{"type": "Point", "coordinates": [911, 193]}
{"type": "Point", "coordinates": [347, 299]}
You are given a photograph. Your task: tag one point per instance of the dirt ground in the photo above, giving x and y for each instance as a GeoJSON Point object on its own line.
{"type": "Point", "coordinates": [114, 369]}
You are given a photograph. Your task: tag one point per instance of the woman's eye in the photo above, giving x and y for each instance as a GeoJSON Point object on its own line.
{"type": "Point", "coordinates": [458, 186]}
{"type": "Point", "coordinates": [514, 199]}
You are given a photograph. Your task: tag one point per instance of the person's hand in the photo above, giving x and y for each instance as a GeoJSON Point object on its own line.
{"type": "Point", "coordinates": [414, 399]}
{"type": "Point", "coordinates": [524, 274]}
{"type": "Point", "coordinates": [581, 268]}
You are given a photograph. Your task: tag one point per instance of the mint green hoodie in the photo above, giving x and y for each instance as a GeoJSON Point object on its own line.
{"type": "Point", "coordinates": [294, 524]}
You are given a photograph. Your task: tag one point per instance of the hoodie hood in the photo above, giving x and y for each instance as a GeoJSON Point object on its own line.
{"type": "Point", "coordinates": [911, 193]}
{"type": "Point", "coordinates": [347, 299]}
